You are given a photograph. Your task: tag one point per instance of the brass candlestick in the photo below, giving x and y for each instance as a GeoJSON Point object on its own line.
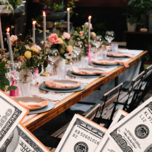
{"type": "Point", "coordinates": [3, 55]}
{"type": "Point", "coordinates": [45, 72]}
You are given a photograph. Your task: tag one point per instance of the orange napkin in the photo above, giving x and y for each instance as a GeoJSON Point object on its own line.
{"type": "Point", "coordinates": [77, 71]}
{"type": "Point", "coordinates": [32, 106]}
{"type": "Point", "coordinates": [52, 84]}
{"type": "Point", "coordinates": [109, 62]}
{"type": "Point", "coordinates": [120, 54]}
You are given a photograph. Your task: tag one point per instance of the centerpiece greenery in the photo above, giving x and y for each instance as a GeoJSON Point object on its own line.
{"type": "Point", "coordinates": [4, 82]}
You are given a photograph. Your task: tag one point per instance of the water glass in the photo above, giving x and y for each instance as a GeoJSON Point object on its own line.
{"type": "Point", "coordinates": [61, 72]}
{"type": "Point", "coordinates": [115, 47]}
{"type": "Point", "coordinates": [25, 88]}
{"type": "Point", "coordinates": [85, 62]}
{"type": "Point", "coordinates": [104, 54]}
{"type": "Point", "coordinates": [94, 52]}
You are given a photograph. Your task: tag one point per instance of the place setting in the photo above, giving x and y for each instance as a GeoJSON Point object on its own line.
{"type": "Point", "coordinates": [35, 105]}
{"type": "Point", "coordinates": [86, 73]}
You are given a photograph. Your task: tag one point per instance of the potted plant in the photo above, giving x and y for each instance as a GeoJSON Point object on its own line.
{"type": "Point", "coordinates": [6, 7]}
{"type": "Point", "coordinates": [55, 12]}
{"type": "Point", "coordinates": [134, 10]}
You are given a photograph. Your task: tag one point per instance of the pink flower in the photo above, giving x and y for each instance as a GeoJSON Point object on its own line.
{"type": "Point", "coordinates": [81, 32]}
{"type": "Point", "coordinates": [13, 39]}
{"type": "Point", "coordinates": [37, 46]}
{"type": "Point", "coordinates": [52, 38]}
{"type": "Point", "coordinates": [66, 35]}
{"type": "Point", "coordinates": [88, 25]}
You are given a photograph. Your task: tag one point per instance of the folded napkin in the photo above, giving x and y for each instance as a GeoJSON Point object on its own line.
{"type": "Point", "coordinates": [52, 84]}
{"type": "Point", "coordinates": [120, 54]}
{"type": "Point", "coordinates": [31, 106]}
{"type": "Point", "coordinates": [109, 62]}
{"type": "Point", "coordinates": [77, 71]}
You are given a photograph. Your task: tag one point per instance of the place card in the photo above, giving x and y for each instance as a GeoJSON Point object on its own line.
{"type": "Point", "coordinates": [21, 140]}
{"type": "Point", "coordinates": [134, 132]}
{"type": "Point", "coordinates": [81, 135]}
{"type": "Point", "coordinates": [106, 144]}
{"type": "Point", "coordinates": [11, 113]}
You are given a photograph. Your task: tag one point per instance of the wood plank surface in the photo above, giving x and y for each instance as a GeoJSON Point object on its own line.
{"type": "Point", "coordinates": [38, 120]}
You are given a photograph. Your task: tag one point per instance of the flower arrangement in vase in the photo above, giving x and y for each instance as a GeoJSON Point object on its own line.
{"type": "Point", "coordinates": [64, 45]}
{"type": "Point", "coordinates": [81, 36]}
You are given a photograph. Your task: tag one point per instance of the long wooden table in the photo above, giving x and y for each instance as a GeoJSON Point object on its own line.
{"type": "Point", "coordinates": [38, 120]}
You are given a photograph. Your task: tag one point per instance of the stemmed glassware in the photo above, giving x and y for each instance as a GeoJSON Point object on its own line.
{"type": "Point", "coordinates": [109, 36]}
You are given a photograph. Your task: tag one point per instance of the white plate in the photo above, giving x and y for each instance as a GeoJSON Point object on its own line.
{"type": "Point", "coordinates": [66, 82]}
{"type": "Point", "coordinates": [88, 69]}
{"type": "Point", "coordinates": [30, 100]}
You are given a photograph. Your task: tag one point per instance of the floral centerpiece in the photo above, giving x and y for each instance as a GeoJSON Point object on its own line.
{"type": "Point", "coordinates": [64, 44]}
{"type": "Point", "coordinates": [28, 55]}
{"type": "Point", "coordinates": [81, 35]}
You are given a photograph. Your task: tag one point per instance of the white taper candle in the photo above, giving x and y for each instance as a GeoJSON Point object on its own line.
{"type": "Point", "coordinates": [10, 49]}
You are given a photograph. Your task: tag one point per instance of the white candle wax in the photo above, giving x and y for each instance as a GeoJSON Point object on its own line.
{"type": "Point", "coordinates": [89, 20]}
{"type": "Point", "coordinates": [1, 35]}
{"type": "Point", "coordinates": [34, 22]}
{"type": "Point", "coordinates": [44, 27]}
{"type": "Point", "coordinates": [10, 49]}
{"type": "Point", "coordinates": [68, 20]}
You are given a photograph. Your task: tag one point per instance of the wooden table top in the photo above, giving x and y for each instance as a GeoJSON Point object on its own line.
{"type": "Point", "coordinates": [35, 121]}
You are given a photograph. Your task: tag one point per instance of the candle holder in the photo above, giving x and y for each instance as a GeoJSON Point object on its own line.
{"type": "Point", "coordinates": [89, 54]}
{"type": "Point", "coordinates": [45, 73]}
{"type": "Point", "coordinates": [3, 55]}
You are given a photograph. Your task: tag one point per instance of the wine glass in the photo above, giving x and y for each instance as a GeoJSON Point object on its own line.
{"type": "Point", "coordinates": [109, 36]}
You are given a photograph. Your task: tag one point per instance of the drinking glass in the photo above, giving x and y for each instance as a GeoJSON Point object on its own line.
{"type": "Point", "coordinates": [85, 61]}
{"type": "Point", "coordinates": [109, 36]}
{"type": "Point", "coordinates": [115, 47]}
{"type": "Point", "coordinates": [93, 52]}
{"type": "Point", "coordinates": [61, 72]}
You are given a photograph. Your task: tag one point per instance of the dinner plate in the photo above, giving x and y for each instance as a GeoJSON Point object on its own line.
{"type": "Point", "coordinates": [31, 100]}
{"type": "Point", "coordinates": [106, 65]}
{"type": "Point", "coordinates": [88, 69]}
{"type": "Point", "coordinates": [66, 82]}
{"type": "Point", "coordinates": [69, 73]}
{"type": "Point", "coordinates": [44, 88]}
{"type": "Point", "coordinates": [117, 56]}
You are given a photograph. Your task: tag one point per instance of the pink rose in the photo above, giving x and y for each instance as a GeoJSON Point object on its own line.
{"type": "Point", "coordinates": [88, 25]}
{"type": "Point", "coordinates": [13, 39]}
{"type": "Point", "coordinates": [66, 35]}
{"type": "Point", "coordinates": [37, 46]}
{"type": "Point", "coordinates": [81, 32]}
{"type": "Point", "coordinates": [52, 38]}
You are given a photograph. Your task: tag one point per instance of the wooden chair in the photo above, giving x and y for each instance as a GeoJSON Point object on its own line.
{"type": "Point", "coordinates": [110, 100]}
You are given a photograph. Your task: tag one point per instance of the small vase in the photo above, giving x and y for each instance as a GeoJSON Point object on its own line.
{"type": "Point", "coordinates": [60, 62]}
{"type": "Point", "coordinates": [131, 27]}
{"type": "Point", "coordinates": [25, 75]}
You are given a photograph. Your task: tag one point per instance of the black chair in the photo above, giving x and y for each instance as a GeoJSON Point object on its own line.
{"type": "Point", "coordinates": [131, 93]}
{"type": "Point", "coordinates": [109, 106]}
{"type": "Point", "coordinates": [144, 87]}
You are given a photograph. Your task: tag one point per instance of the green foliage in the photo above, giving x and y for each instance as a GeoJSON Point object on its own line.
{"type": "Point", "coordinates": [135, 8]}
{"type": "Point", "coordinates": [15, 3]}
{"type": "Point", "coordinates": [3, 80]}
{"type": "Point", "coordinates": [71, 5]}
{"type": "Point", "coordinates": [58, 7]}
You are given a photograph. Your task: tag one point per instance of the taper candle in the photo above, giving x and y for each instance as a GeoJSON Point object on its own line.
{"type": "Point", "coordinates": [34, 22]}
{"type": "Point", "coordinates": [44, 26]}
{"type": "Point", "coordinates": [1, 34]}
{"type": "Point", "coordinates": [68, 20]}
{"type": "Point", "coordinates": [89, 20]}
{"type": "Point", "coordinates": [10, 48]}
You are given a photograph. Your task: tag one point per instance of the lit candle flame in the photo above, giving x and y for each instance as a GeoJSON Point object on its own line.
{"type": "Point", "coordinates": [89, 17]}
{"type": "Point", "coordinates": [44, 14]}
{"type": "Point", "coordinates": [68, 9]}
{"type": "Point", "coordinates": [34, 22]}
{"type": "Point", "coordinates": [8, 29]}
